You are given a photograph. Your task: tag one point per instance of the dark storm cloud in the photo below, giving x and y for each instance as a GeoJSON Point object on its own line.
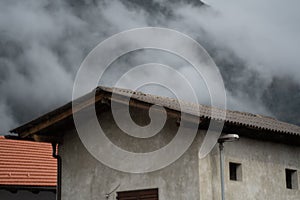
{"type": "Point", "coordinates": [42, 44]}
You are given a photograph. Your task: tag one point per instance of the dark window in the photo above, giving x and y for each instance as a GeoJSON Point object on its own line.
{"type": "Point", "coordinates": [291, 179]}
{"type": "Point", "coordinates": [149, 194]}
{"type": "Point", "coordinates": [26, 195]}
{"type": "Point", "coordinates": [235, 171]}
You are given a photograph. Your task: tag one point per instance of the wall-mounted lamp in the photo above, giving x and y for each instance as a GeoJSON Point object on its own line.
{"type": "Point", "coordinates": [221, 141]}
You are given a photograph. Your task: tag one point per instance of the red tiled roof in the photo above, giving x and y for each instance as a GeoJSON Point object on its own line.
{"type": "Point", "coordinates": [25, 163]}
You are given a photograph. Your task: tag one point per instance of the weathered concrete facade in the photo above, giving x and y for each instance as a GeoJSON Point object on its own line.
{"type": "Point", "coordinates": [263, 168]}
{"type": "Point", "coordinates": [263, 164]}
{"type": "Point", "coordinates": [86, 178]}
{"type": "Point", "coordinates": [263, 171]}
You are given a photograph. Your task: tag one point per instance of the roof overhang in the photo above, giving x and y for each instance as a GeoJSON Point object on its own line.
{"type": "Point", "coordinates": [48, 127]}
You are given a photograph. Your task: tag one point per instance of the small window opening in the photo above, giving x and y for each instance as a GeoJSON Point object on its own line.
{"type": "Point", "coordinates": [291, 179]}
{"type": "Point", "coordinates": [235, 171]}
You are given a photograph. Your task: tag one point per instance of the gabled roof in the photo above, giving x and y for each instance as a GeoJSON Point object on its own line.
{"type": "Point", "coordinates": [24, 163]}
{"type": "Point", "coordinates": [235, 117]}
{"type": "Point", "coordinates": [102, 94]}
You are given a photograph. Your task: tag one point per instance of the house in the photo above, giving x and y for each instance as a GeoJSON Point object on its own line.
{"type": "Point", "coordinates": [27, 170]}
{"type": "Point", "coordinates": [263, 164]}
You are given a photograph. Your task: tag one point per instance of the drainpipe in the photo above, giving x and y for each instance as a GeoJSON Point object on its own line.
{"type": "Point", "coordinates": [221, 147]}
{"type": "Point", "coordinates": [58, 158]}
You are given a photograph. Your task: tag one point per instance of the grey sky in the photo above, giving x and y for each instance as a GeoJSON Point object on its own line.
{"type": "Point", "coordinates": [255, 44]}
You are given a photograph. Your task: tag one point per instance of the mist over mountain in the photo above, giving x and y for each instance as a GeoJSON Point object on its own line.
{"type": "Point", "coordinates": [43, 43]}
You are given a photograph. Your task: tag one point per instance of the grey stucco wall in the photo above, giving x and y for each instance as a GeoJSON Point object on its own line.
{"type": "Point", "coordinates": [263, 171]}
{"type": "Point", "coordinates": [83, 177]}
{"type": "Point", "coordinates": [263, 168]}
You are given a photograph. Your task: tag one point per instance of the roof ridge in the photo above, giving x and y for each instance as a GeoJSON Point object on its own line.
{"type": "Point", "coordinates": [245, 119]}
{"type": "Point", "coordinates": [255, 120]}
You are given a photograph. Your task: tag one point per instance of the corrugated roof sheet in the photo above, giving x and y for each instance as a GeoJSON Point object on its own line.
{"type": "Point", "coordinates": [235, 117]}
{"type": "Point", "coordinates": [243, 119]}
{"type": "Point", "coordinates": [25, 163]}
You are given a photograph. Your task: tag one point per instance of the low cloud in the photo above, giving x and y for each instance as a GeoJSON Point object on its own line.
{"type": "Point", "coordinates": [254, 43]}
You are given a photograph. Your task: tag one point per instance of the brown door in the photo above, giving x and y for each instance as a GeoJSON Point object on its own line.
{"type": "Point", "coordinates": [149, 194]}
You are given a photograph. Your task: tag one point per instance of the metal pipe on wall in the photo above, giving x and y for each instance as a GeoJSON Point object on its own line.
{"type": "Point", "coordinates": [59, 162]}
{"type": "Point", "coordinates": [221, 147]}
